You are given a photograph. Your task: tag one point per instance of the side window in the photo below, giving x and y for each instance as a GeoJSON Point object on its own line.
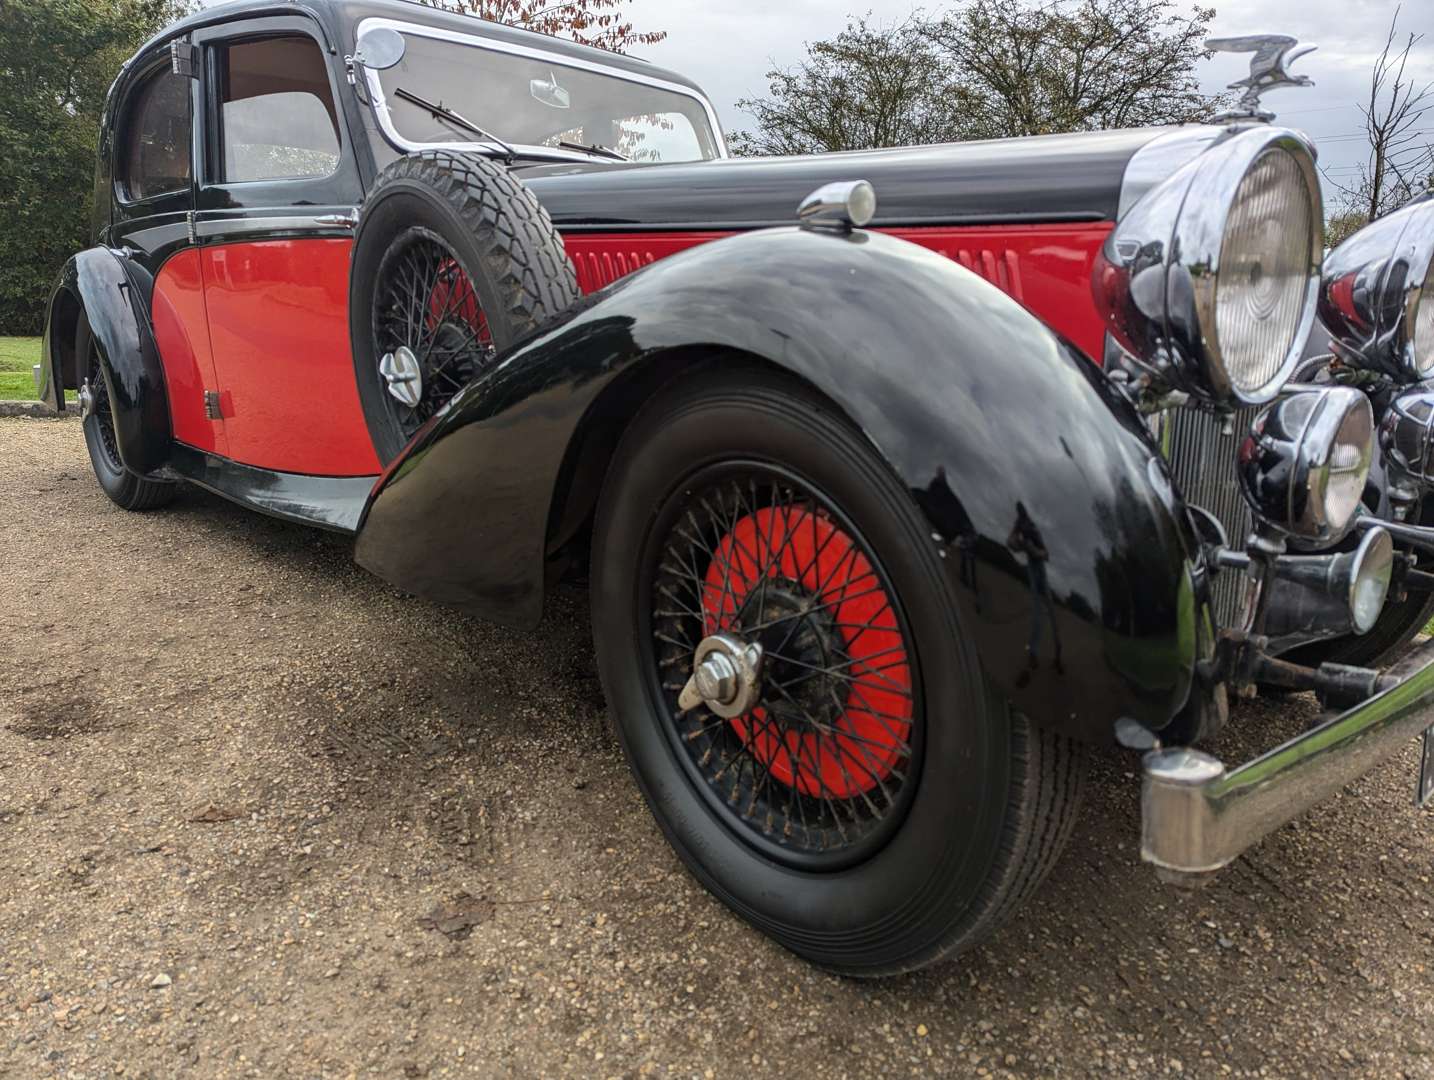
{"type": "Point", "coordinates": [156, 138]}
{"type": "Point", "coordinates": [276, 114]}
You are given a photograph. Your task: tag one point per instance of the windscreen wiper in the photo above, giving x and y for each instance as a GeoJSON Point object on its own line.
{"type": "Point", "coordinates": [443, 112]}
{"type": "Point", "coordinates": [594, 148]}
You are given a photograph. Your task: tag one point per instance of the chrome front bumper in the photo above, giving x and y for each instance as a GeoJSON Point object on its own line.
{"type": "Point", "coordinates": [1197, 817]}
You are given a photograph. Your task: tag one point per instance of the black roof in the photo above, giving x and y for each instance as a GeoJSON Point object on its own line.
{"type": "Point", "coordinates": [341, 16]}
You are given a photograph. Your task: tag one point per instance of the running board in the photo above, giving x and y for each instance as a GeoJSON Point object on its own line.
{"type": "Point", "coordinates": [326, 502]}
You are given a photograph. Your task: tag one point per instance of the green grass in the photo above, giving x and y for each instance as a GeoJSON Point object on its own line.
{"type": "Point", "coordinates": [17, 355]}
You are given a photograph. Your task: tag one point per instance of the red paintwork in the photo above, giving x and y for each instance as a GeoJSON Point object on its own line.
{"type": "Point", "coordinates": [870, 735]}
{"type": "Point", "coordinates": [181, 333]}
{"type": "Point", "coordinates": [1046, 267]}
{"type": "Point", "coordinates": [276, 343]}
{"type": "Point", "coordinates": [279, 325]}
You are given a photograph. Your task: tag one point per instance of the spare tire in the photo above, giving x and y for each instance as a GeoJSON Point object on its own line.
{"type": "Point", "coordinates": [454, 261]}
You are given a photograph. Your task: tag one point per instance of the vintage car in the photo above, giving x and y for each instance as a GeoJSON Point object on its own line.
{"type": "Point", "coordinates": [898, 477]}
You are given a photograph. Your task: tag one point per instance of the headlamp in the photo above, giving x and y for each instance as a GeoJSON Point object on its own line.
{"type": "Point", "coordinates": [1372, 295]}
{"type": "Point", "coordinates": [1210, 281]}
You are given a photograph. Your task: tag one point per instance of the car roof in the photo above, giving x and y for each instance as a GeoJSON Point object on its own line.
{"type": "Point", "coordinates": [343, 15]}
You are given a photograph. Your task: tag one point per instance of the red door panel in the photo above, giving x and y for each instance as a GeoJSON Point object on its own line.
{"type": "Point", "coordinates": [1045, 267]}
{"type": "Point", "coordinates": [181, 333]}
{"type": "Point", "coordinates": [279, 325]}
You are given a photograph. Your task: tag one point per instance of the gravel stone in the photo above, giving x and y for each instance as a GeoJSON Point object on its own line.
{"type": "Point", "coordinates": [229, 755]}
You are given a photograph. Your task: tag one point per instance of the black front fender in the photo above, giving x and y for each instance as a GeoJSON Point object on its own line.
{"type": "Point", "coordinates": [115, 298]}
{"type": "Point", "coordinates": [1047, 498]}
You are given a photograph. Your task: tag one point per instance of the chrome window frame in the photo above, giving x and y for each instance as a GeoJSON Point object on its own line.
{"type": "Point", "coordinates": [379, 103]}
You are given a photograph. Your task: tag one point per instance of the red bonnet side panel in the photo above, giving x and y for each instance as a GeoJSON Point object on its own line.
{"type": "Point", "coordinates": [1046, 267]}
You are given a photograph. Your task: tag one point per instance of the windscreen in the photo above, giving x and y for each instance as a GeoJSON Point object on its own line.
{"type": "Point", "coordinates": [531, 102]}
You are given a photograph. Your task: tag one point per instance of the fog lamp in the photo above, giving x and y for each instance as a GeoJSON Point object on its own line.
{"type": "Point", "coordinates": [1303, 466]}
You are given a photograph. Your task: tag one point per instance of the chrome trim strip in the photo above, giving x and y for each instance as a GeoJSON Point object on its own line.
{"type": "Point", "coordinates": [215, 228]}
{"type": "Point", "coordinates": [385, 122]}
{"type": "Point", "coordinates": [1196, 817]}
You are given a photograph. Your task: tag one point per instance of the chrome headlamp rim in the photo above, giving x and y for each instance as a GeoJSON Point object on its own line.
{"type": "Point", "coordinates": [1284, 464]}
{"type": "Point", "coordinates": [1157, 277]}
{"type": "Point", "coordinates": [1375, 554]}
{"type": "Point", "coordinates": [1196, 245]}
{"type": "Point", "coordinates": [1371, 288]}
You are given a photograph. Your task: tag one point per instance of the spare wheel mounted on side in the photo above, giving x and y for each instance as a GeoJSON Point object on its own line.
{"type": "Point", "coordinates": [454, 261]}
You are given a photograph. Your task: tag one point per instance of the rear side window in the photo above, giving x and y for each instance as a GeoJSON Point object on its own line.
{"type": "Point", "coordinates": [156, 139]}
{"type": "Point", "coordinates": [276, 113]}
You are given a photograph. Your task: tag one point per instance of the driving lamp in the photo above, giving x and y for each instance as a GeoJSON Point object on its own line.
{"type": "Point", "coordinates": [1303, 466]}
{"type": "Point", "coordinates": [1210, 281]}
{"type": "Point", "coordinates": [1372, 294]}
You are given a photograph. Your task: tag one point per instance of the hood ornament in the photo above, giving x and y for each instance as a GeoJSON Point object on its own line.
{"type": "Point", "coordinates": [1267, 69]}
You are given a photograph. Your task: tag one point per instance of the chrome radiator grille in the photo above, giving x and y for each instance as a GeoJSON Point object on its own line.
{"type": "Point", "coordinates": [1203, 461]}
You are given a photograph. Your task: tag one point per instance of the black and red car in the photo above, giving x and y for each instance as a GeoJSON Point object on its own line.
{"type": "Point", "coordinates": [900, 476]}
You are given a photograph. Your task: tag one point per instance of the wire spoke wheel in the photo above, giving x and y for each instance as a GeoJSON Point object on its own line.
{"type": "Point", "coordinates": [823, 764]}
{"type": "Point", "coordinates": [431, 336]}
{"type": "Point", "coordinates": [100, 411]}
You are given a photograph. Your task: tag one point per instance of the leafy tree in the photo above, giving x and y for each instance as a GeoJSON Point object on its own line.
{"type": "Point", "coordinates": [869, 86]}
{"type": "Point", "coordinates": [987, 69]}
{"type": "Point", "coordinates": [589, 22]}
{"type": "Point", "coordinates": [1342, 224]}
{"type": "Point", "coordinates": [1076, 65]}
{"type": "Point", "coordinates": [57, 60]}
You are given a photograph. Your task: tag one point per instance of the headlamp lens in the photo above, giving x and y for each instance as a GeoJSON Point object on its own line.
{"type": "Point", "coordinates": [1374, 565]}
{"type": "Point", "coordinates": [1266, 260]}
{"type": "Point", "coordinates": [1423, 340]}
{"type": "Point", "coordinates": [1348, 466]}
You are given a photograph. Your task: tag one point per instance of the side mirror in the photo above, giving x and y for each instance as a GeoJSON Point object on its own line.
{"type": "Point", "coordinates": [379, 49]}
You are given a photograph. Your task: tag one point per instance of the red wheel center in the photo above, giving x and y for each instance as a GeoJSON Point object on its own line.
{"type": "Point", "coordinates": [861, 729]}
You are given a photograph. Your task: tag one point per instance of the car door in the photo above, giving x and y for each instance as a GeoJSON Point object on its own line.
{"type": "Point", "coordinates": [274, 212]}
{"type": "Point", "coordinates": [153, 200]}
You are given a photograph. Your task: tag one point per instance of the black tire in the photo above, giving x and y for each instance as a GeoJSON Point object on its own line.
{"type": "Point", "coordinates": [987, 799]}
{"type": "Point", "coordinates": [502, 274]}
{"type": "Point", "coordinates": [125, 489]}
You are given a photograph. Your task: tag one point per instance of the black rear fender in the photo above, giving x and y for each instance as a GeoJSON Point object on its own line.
{"type": "Point", "coordinates": [115, 299]}
{"type": "Point", "coordinates": [1066, 543]}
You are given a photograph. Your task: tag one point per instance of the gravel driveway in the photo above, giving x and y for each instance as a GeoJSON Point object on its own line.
{"type": "Point", "coordinates": [260, 815]}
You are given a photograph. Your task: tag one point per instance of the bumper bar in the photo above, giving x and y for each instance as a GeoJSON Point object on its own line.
{"type": "Point", "coordinates": [1197, 817]}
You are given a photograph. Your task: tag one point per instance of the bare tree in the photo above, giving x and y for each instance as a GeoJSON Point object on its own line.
{"type": "Point", "coordinates": [588, 22]}
{"type": "Point", "coordinates": [1400, 165]}
{"type": "Point", "coordinates": [869, 86]}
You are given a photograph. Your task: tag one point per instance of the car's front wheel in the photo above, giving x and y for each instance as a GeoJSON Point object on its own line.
{"type": "Point", "coordinates": [793, 689]}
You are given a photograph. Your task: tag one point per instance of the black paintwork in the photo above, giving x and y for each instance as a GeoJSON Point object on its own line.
{"type": "Point", "coordinates": [1049, 178]}
{"type": "Point", "coordinates": [117, 304]}
{"type": "Point", "coordinates": [1012, 442]}
{"type": "Point", "coordinates": [329, 502]}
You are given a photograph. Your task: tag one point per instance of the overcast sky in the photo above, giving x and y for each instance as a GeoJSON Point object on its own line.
{"type": "Point", "coordinates": [728, 45]}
